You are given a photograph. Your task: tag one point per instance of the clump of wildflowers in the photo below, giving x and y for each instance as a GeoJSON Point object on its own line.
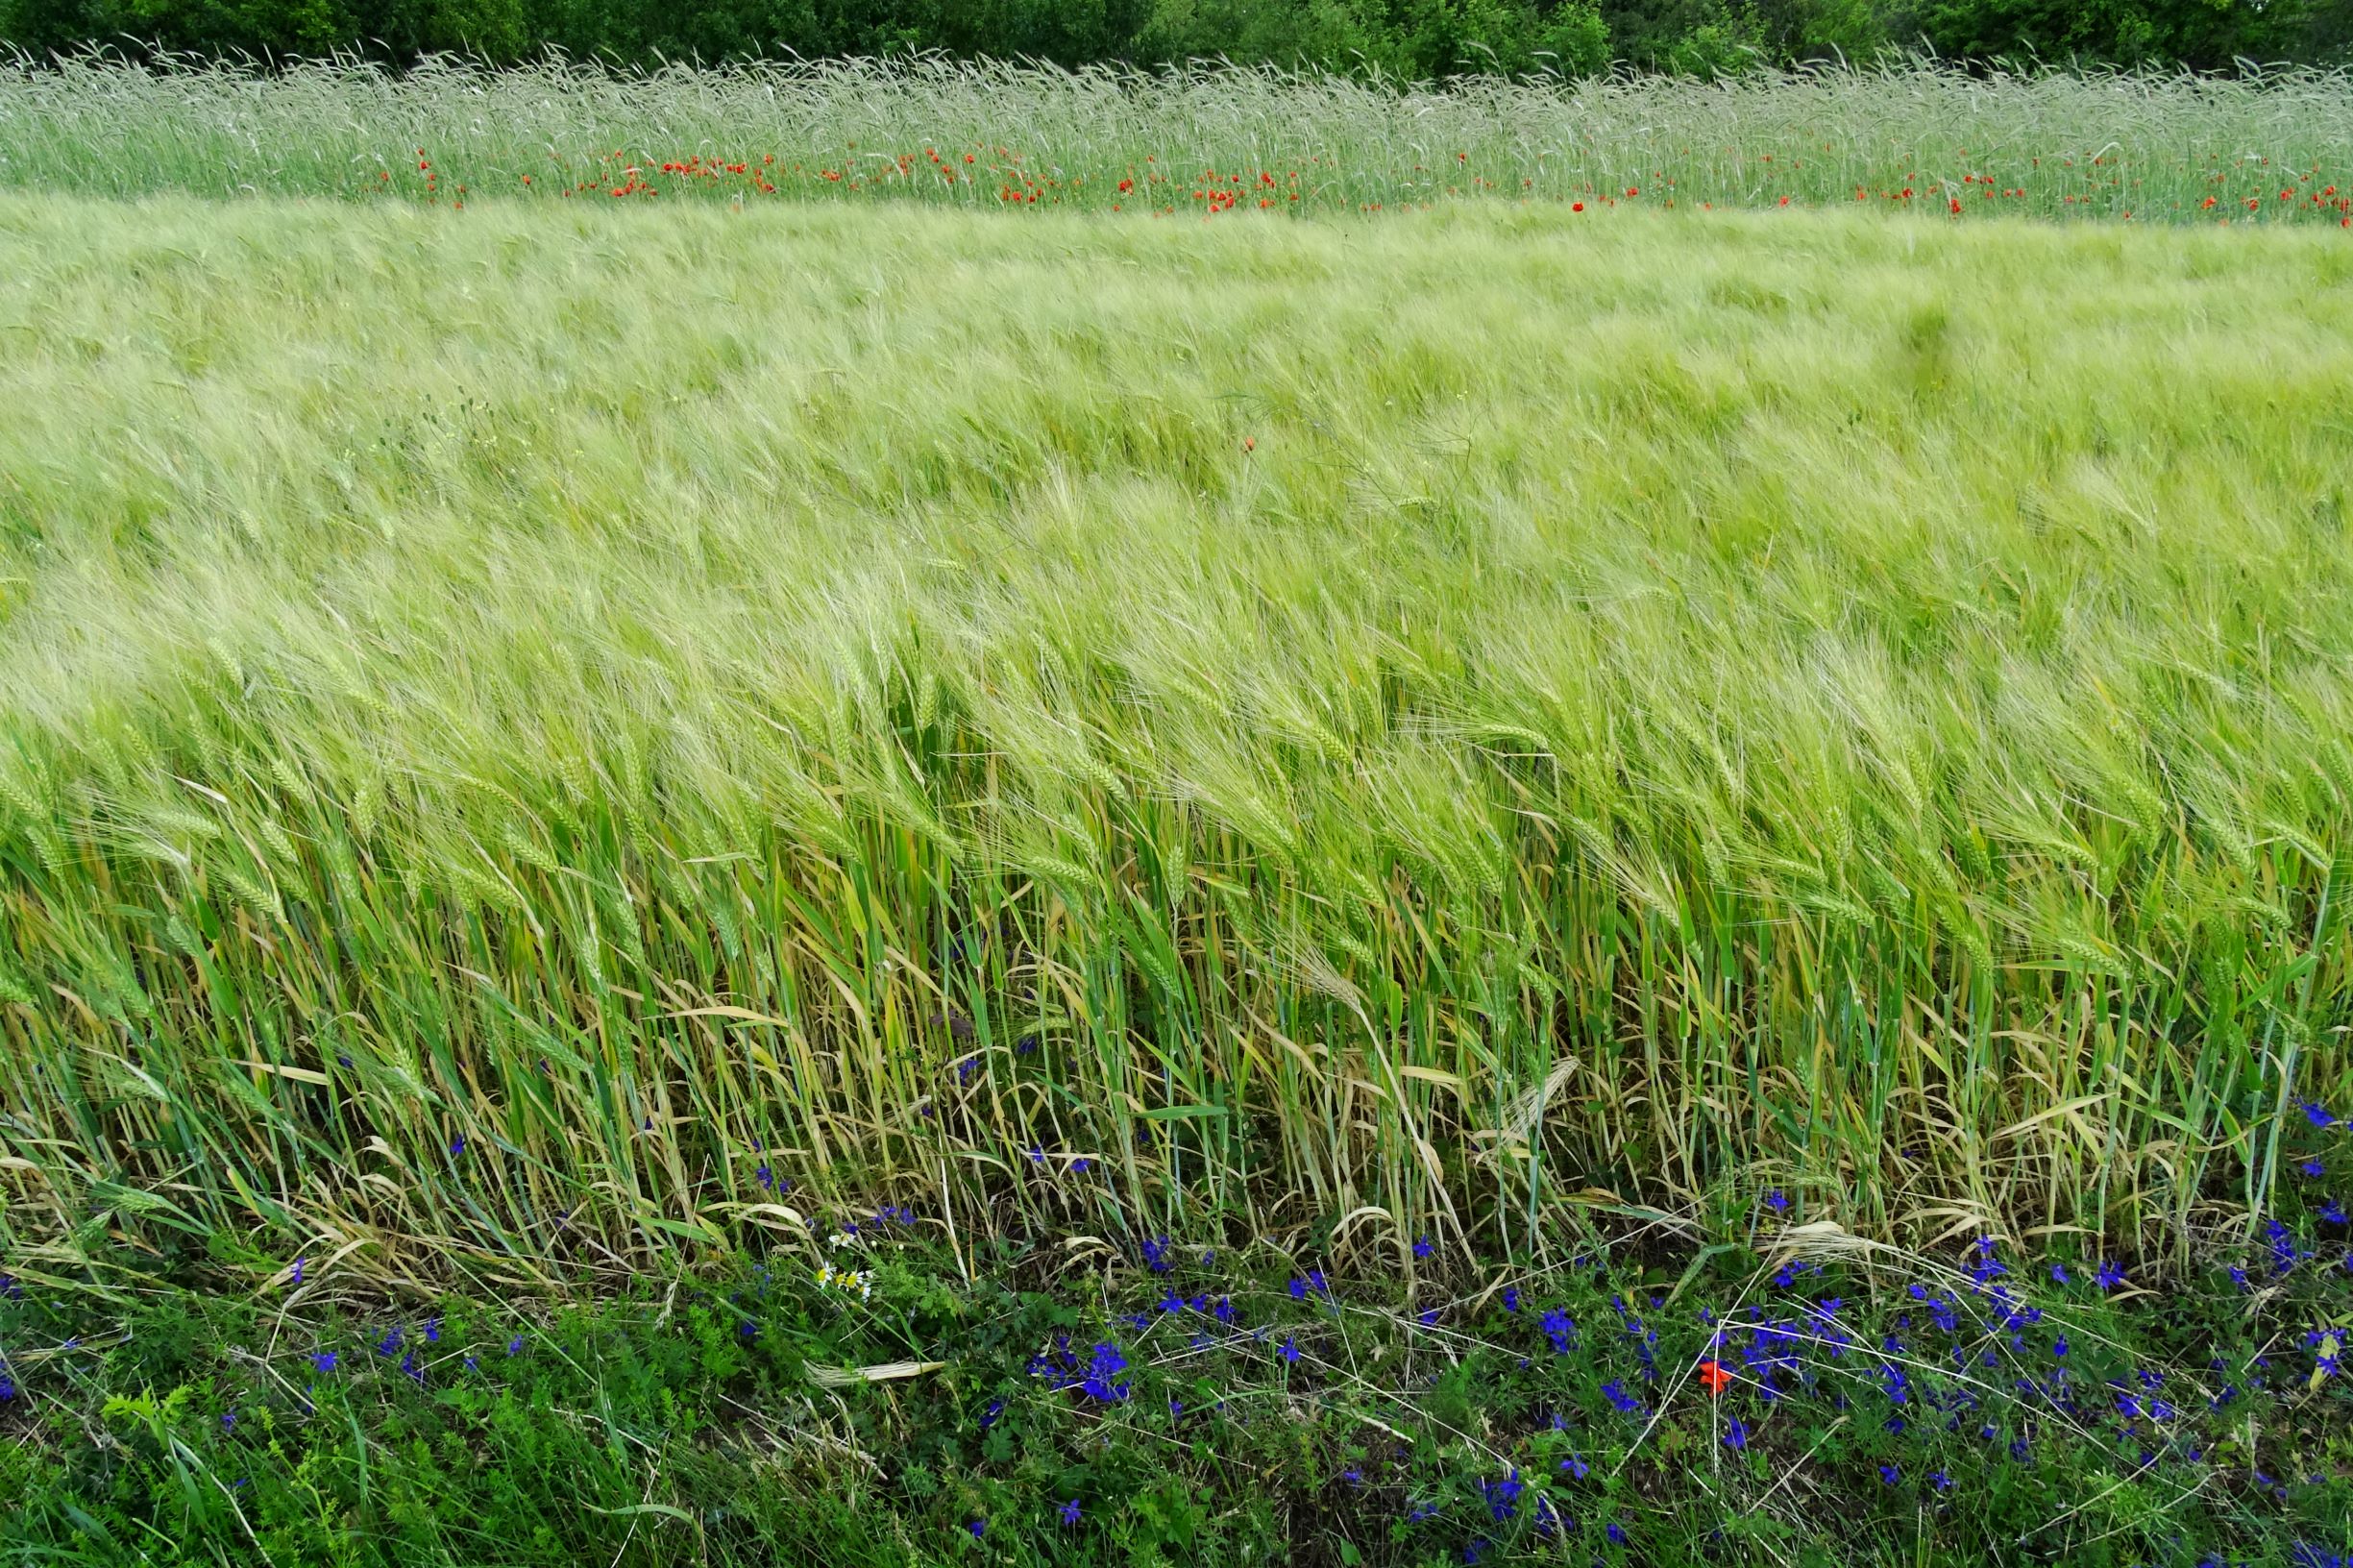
{"type": "Point", "coordinates": [1105, 1366]}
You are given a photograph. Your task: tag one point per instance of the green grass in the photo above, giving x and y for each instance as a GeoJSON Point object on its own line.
{"type": "Point", "coordinates": [523, 728]}
{"type": "Point", "coordinates": [2271, 148]}
{"type": "Point", "coordinates": [1872, 1408]}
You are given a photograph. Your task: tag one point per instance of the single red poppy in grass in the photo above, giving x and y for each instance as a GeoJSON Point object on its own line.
{"type": "Point", "coordinates": [1714, 1377]}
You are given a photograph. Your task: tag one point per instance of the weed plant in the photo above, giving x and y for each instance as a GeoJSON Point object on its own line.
{"type": "Point", "coordinates": [1787, 1395]}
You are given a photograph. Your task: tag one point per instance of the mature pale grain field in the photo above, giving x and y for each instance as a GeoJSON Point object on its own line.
{"type": "Point", "coordinates": [538, 721]}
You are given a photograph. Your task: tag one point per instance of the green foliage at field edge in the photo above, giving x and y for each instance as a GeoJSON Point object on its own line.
{"type": "Point", "coordinates": [1199, 1406]}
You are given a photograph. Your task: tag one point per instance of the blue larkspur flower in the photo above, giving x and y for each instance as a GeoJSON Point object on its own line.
{"type": "Point", "coordinates": [1290, 1349]}
{"type": "Point", "coordinates": [1503, 1496]}
{"type": "Point", "coordinates": [1105, 1366]}
{"type": "Point", "coordinates": [1070, 1511]}
{"type": "Point", "coordinates": [1422, 1246]}
{"type": "Point", "coordinates": [322, 1361]}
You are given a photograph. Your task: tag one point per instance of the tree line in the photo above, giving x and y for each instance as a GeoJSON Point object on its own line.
{"type": "Point", "coordinates": [1407, 38]}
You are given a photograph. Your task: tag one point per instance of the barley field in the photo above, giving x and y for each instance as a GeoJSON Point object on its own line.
{"type": "Point", "coordinates": [553, 736]}
{"type": "Point", "coordinates": [2139, 146]}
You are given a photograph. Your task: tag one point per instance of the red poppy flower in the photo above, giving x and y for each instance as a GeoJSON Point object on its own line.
{"type": "Point", "coordinates": [1714, 1377]}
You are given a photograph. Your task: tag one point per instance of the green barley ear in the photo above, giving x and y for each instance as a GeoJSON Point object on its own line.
{"type": "Point", "coordinates": [521, 844]}
{"type": "Point", "coordinates": [15, 987]}
{"type": "Point", "coordinates": [363, 809]}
